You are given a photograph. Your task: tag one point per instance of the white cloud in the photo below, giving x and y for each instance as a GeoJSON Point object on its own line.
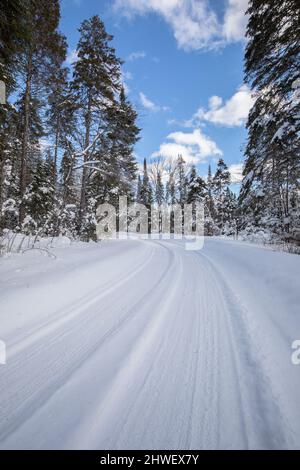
{"type": "Point", "coordinates": [233, 112]}
{"type": "Point", "coordinates": [215, 102]}
{"type": "Point", "coordinates": [172, 151]}
{"type": "Point", "coordinates": [148, 104]}
{"type": "Point", "coordinates": [72, 57]}
{"type": "Point", "coordinates": [136, 55]}
{"type": "Point", "coordinates": [194, 147]}
{"type": "Point", "coordinates": [236, 172]}
{"type": "Point", "coordinates": [194, 23]}
{"type": "Point", "coordinates": [235, 20]}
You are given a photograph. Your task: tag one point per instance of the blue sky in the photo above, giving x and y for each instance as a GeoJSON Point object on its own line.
{"type": "Point", "coordinates": [183, 72]}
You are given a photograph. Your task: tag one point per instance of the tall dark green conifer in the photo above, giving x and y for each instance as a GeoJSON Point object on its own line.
{"type": "Point", "coordinates": [220, 183]}
{"type": "Point", "coordinates": [34, 61]}
{"type": "Point", "coordinates": [146, 189]}
{"type": "Point", "coordinates": [181, 180]}
{"type": "Point", "coordinates": [272, 168]}
{"type": "Point", "coordinates": [196, 188]}
{"type": "Point", "coordinates": [96, 81]}
{"type": "Point", "coordinates": [159, 190]}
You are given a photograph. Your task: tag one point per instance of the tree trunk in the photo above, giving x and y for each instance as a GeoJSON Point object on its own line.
{"type": "Point", "coordinates": [56, 151]}
{"type": "Point", "coordinates": [1, 184]}
{"type": "Point", "coordinates": [24, 152]}
{"type": "Point", "coordinates": [85, 159]}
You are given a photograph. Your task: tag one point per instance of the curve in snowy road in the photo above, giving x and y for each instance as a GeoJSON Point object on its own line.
{"type": "Point", "coordinates": [157, 348]}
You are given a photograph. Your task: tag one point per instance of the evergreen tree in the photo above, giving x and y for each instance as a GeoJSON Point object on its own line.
{"type": "Point", "coordinates": [35, 60]}
{"type": "Point", "coordinates": [181, 182]}
{"type": "Point", "coordinates": [68, 180]}
{"type": "Point", "coordinates": [95, 83]}
{"type": "Point", "coordinates": [272, 167]}
{"type": "Point", "coordinates": [196, 187]}
{"type": "Point", "coordinates": [171, 189]}
{"type": "Point", "coordinates": [209, 198]}
{"type": "Point", "coordinates": [220, 183]}
{"type": "Point", "coordinates": [91, 113]}
{"type": "Point", "coordinates": [229, 213]}
{"type": "Point", "coordinates": [39, 201]}
{"type": "Point", "coordinates": [159, 190]}
{"type": "Point", "coordinates": [146, 189]}
{"type": "Point", "coordinates": [12, 34]}
{"type": "Point", "coordinates": [123, 134]}
{"type": "Point", "coordinates": [60, 111]}
{"type": "Point", "coordinates": [139, 189]}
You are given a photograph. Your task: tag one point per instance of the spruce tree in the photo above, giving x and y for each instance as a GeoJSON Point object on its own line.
{"type": "Point", "coordinates": [68, 180]}
{"type": "Point", "coordinates": [95, 83]}
{"type": "Point", "coordinates": [171, 189]}
{"type": "Point", "coordinates": [196, 187]}
{"type": "Point", "coordinates": [122, 135]}
{"type": "Point", "coordinates": [181, 182]}
{"type": "Point", "coordinates": [138, 190]}
{"type": "Point", "coordinates": [159, 190]}
{"type": "Point", "coordinates": [12, 34]}
{"type": "Point", "coordinates": [60, 110]}
{"type": "Point", "coordinates": [34, 61]}
{"type": "Point", "coordinates": [146, 189]}
{"type": "Point", "coordinates": [272, 167]}
{"type": "Point", "coordinates": [220, 183]}
{"type": "Point", "coordinates": [39, 201]}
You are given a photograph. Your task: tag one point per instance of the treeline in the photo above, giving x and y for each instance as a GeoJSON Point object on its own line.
{"type": "Point", "coordinates": [66, 139]}
{"type": "Point", "coordinates": [270, 193]}
{"type": "Point", "coordinates": [67, 136]}
{"type": "Point", "coordinates": [175, 183]}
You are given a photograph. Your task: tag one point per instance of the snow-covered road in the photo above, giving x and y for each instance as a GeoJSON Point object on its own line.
{"type": "Point", "coordinates": [143, 345]}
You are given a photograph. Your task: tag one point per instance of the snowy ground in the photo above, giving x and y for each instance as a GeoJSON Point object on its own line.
{"type": "Point", "coordinates": [141, 344]}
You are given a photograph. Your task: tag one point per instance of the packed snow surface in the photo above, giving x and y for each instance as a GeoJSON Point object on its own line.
{"type": "Point", "coordinates": [144, 345]}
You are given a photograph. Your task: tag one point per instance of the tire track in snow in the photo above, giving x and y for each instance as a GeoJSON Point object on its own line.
{"type": "Point", "coordinates": [203, 416]}
{"type": "Point", "coordinates": [140, 410]}
{"type": "Point", "coordinates": [190, 376]}
{"type": "Point", "coordinates": [62, 316]}
{"type": "Point", "coordinates": [264, 424]}
{"type": "Point", "coordinates": [135, 369]}
{"type": "Point", "coordinates": [132, 379]}
{"type": "Point", "coordinates": [28, 393]}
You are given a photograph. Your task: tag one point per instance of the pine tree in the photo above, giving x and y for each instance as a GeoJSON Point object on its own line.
{"type": "Point", "coordinates": [220, 183]}
{"type": "Point", "coordinates": [171, 190]}
{"type": "Point", "coordinates": [122, 134]}
{"type": "Point", "coordinates": [138, 190]}
{"type": "Point", "coordinates": [9, 167]}
{"type": "Point", "coordinates": [272, 167]}
{"type": "Point", "coordinates": [196, 187]}
{"type": "Point", "coordinates": [95, 83]}
{"type": "Point", "coordinates": [60, 112]}
{"type": "Point", "coordinates": [181, 182]}
{"type": "Point", "coordinates": [210, 200]}
{"type": "Point", "coordinates": [146, 189]}
{"type": "Point", "coordinates": [68, 181]}
{"type": "Point", "coordinates": [39, 201]}
{"type": "Point", "coordinates": [229, 213]}
{"type": "Point", "coordinates": [58, 131]}
{"type": "Point", "coordinates": [35, 60]}
{"type": "Point", "coordinates": [12, 34]}
{"type": "Point", "coordinates": [159, 190]}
